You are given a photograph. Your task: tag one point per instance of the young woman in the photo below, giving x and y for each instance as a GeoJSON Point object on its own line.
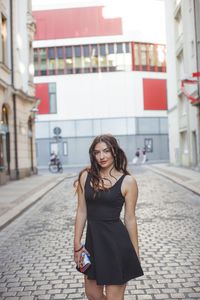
{"type": "Point", "coordinates": [102, 190]}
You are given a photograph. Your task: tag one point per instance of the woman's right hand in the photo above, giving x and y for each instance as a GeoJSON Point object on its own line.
{"type": "Point", "coordinates": [77, 254]}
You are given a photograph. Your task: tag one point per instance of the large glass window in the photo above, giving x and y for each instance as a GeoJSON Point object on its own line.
{"type": "Point", "coordinates": [86, 58]}
{"type": "Point", "coordinates": [69, 59]}
{"type": "Point", "coordinates": [94, 58]}
{"type": "Point", "coordinates": [43, 61]}
{"type": "Point", "coordinates": [78, 59]}
{"type": "Point", "coordinates": [160, 57]}
{"type": "Point", "coordinates": [136, 56]}
{"type": "Point", "coordinates": [51, 61]}
{"type": "Point", "coordinates": [120, 57]}
{"type": "Point", "coordinates": [103, 58]}
{"type": "Point", "coordinates": [52, 98]}
{"type": "Point", "coordinates": [151, 57]}
{"type": "Point", "coordinates": [111, 57]}
{"type": "Point", "coordinates": [60, 60]}
{"type": "Point", "coordinates": [36, 63]}
{"type": "Point", "coordinates": [128, 57]}
{"type": "Point", "coordinates": [143, 49]}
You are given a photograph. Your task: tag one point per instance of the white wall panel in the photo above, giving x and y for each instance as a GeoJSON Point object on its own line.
{"type": "Point", "coordinates": [114, 126]}
{"type": "Point", "coordinates": [104, 95]}
{"type": "Point", "coordinates": [42, 130]}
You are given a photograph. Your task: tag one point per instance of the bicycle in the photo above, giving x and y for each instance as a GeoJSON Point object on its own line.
{"type": "Point", "coordinates": [55, 167]}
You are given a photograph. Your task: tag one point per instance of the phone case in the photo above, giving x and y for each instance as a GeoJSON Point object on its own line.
{"type": "Point", "coordinates": [84, 262]}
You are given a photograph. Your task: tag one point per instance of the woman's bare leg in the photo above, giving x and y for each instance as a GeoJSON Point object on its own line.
{"type": "Point", "coordinates": [94, 291]}
{"type": "Point", "coordinates": [115, 292]}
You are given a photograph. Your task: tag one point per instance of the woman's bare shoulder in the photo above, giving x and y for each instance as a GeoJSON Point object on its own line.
{"type": "Point", "coordinates": [130, 180]}
{"type": "Point", "coordinates": [83, 176]}
{"type": "Point", "coordinates": [129, 184]}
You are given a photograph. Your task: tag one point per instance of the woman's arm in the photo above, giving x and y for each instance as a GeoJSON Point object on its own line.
{"type": "Point", "coordinates": [130, 192]}
{"type": "Point", "coordinates": [81, 216]}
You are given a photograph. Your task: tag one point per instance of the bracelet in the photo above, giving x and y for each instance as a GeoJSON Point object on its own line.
{"type": "Point", "coordinates": [79, 249]}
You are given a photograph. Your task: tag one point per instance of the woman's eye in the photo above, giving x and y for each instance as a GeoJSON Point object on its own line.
{"type": "Point", "coordinates": [107, 150]}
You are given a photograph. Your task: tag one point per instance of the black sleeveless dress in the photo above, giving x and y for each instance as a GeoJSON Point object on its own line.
{"type": "Point", "coordinates": [113, 257]}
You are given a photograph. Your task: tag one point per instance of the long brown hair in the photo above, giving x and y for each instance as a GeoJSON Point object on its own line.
{"type": "Point", "coordinates": [120, 161]}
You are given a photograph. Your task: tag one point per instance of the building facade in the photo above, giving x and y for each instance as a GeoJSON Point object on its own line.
{"type": "Point", "coordinates": [92, 78]}
{"type": "Point", "coordinates": [183, 64]}
{"type": "Point", "coordinates": [17, 146]}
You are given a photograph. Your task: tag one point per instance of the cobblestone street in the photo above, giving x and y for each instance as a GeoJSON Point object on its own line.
{"type": "Point", "coordinates": [36, 250]}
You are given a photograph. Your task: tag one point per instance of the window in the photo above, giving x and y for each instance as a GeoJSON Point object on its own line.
{"type": "Point", "coordinates": [111, 58]}
{"type": "Point", "coordinates": [136, 56]}
{"type": "Point", "coordinates": [128, 57]}
{"type": "Point", "coordinates": [36, 63]}
{"type": "Point", "coordinates": [4, 140]}
{"type": "Point", "coordinates": [46, 92]}
{"type": "Point", "coordinates": [65, 148]}
{"type": "Point", "coordinates": [120, 57]}
{"type": "Point", "coordinates": [143, 50]}
{"type": "Point", "coordinates": [52, 98]}
{"type": "Point", "coordinates": [51, 61]}
{"type": "Point", "coordinates": [149, 57]}
{"type": "Point", "coordinates": [43, 62]}
{"type": "Point", "coordinates": [160, 57]}
{"type": "Point", "coordinates": [120, 48]}
{"type": "Point", "coordinates": [86, 58]}
{"type": "Point", "coordinates": [1, 153]}
{"type": "Point", "coordinates": [78, 60]}
{"type": "Point", "coordinates": [127, 47]}
{"type": "Point", "coordinates": [3, 38]}
{"type": "Point", "coordinates": [60, 60]}
{"type": "Point", "coordinates": [94, 58]}
{"type": "Point", "coordinates": [103, 58]}
{"type": "Point", "coordinates": [54, 148]}
{"type": "Point", "coordinates": [69, 59]}
{"type": "Point", "coordinates": [148, 145]}
{"type": "Point", "coordinates": [68, 52]}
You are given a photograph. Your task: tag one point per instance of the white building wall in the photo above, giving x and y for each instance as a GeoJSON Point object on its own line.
{"type": "Point", "coordinates": [181, 63]}
{"type": "Point", "coordinates": [117, 94]}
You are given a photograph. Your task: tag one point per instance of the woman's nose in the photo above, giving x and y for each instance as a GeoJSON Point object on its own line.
{"type": "Point", "coordinates": [101, 155]}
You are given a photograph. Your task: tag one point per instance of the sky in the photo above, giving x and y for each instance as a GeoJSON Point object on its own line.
{"type": "Point", "coordinates": [144, 17]}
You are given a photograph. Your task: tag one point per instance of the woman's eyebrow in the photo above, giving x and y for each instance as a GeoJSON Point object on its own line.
{"type": "Point", "coordinates": [97, 150]}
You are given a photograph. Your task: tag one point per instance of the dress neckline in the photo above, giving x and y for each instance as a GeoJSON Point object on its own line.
{"type": "Point", "coordinates": [109, 188]}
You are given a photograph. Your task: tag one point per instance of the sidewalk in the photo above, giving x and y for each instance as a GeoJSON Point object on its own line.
{"type": "Point", "coordinates": [188, 178]}
{"type": "Point", "coordinates": [17, 196]}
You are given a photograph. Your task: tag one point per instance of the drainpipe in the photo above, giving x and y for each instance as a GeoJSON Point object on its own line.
{"type": "Point", "coordinates": [14, 95]}
{"type": "Point", "coordinates": [196, 7]}
{"type": "Point", "coordinates": [197, 37]}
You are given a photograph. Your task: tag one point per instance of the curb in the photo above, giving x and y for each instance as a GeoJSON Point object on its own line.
{"type": "Point", "coordinates": [20, 208]}
{"type": "Point", "coordinates": [175, 179]}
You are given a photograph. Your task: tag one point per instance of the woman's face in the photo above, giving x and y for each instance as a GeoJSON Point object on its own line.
{"type": "Point", "coordinates": [103, 155]}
